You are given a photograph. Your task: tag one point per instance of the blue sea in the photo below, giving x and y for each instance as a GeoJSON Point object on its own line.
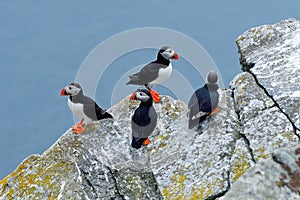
{"type": "Point", "coordinates": [44, 43]}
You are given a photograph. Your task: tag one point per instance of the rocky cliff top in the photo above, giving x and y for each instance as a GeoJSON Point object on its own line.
{"type": "Point", "coordinates": [249, 150]}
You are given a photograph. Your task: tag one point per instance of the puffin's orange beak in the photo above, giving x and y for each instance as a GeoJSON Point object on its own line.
{"type": "Point", "coordinates": [133, 96]}
{"type": "Point", "coordinates": [63, 92]}
{"type": "Point", "coordinates": [175, 57]}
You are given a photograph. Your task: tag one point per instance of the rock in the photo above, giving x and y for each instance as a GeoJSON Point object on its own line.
{"type": "Point", "coordinates": [275, 50]}
{"type": "Point", "coordinates": [100, 164]}
{"type": "Point", "coordinates": [71, 169]}
{"type": "Point", "coordinates": [262, 123]}
{"type": "Point", "coordinates": [236, 153]}
{"type": "Point", "coordinates": [266, 101]}
{"type": "Point", "coordinates": [276, 178]}
{"type": "Point", "coordinates": [189, 164]}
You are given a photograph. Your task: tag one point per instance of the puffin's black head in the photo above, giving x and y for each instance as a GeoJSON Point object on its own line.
{"type": "Point", "coordinates": [212, 77]}
{"type": "Point", "coordinates": [71, 89]}
{"type": "Point", "coordinates": [167, 53]}
{"type": "Point", "coordinates": [142, 95]}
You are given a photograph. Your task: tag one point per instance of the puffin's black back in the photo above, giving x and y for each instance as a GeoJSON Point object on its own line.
{"type": "Point", "coordinates": [90, 107]}
{"type": "Point", "coordinates": [204, 100]}
{"type": "Point", "coordinates": [149, 72]}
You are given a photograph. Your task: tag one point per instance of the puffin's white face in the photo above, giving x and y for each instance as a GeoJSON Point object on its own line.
{"type": "Point", "coordinates": [169, 54]}
{"type": "Point", "coordinates": [142, 96]}
{"type": "Point", "coordinates": [72, 90]}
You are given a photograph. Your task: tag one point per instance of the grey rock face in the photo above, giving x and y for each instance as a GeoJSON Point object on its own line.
{"type": "Point", "coordinates": [95, 165]}
{"type": "Point", "coordinates": [100, 164]}
{"type": "Point", "coordinates": [189, 163]}
{"type": "Point", "coordinates": [261, 122]}
{"type": "Point", "coordinates": [267, 102]}
{"type": "Point", "coordinates": [275, 50]}
{"type": "Point", "coordinates": [276, 178]}
{"type": "Point", "coordinates": [248, 150]}
{"type": "Point", "coordinates": [195, 163]}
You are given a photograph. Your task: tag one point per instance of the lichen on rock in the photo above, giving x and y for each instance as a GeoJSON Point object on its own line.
{"type": "Point", "coordinates": [276, 178]}
{"type": "Point", "coordinates": [248, 150]}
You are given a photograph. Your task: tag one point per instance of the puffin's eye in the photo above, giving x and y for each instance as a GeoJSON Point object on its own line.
{"type": "Point", "coordinates": [141, 94]}
{"type": "Point", "coordinates": [70, 88]}
{"type": "Point", "coordinates": [170, 50]}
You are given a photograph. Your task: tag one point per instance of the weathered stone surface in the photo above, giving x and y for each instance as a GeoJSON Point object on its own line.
{"type": "Point", "coordinates": [195, 164]}
{"type": "Point", "coordinates": [261, 122]}
{"type": "Point", "coordinates": [267, 102]}
{"type": "Point", "coordinates": [100, 164]}
{"type": "Point", "coordinates": [187, 163]}
{"type": "Point", "coordinates": [236, 152]}
{"type": "Point", "coordinates": [276, 178]}
{"type": "Point", "coordinates": [95, 165]}
{"type": "Point", "coordinates": [275, 50]}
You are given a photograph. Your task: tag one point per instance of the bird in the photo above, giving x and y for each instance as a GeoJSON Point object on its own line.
{"type": "Point", "coordinates": [204, 101]}
{"type": "Point", "coordinates": [144, 119]}
{"type": "Point", "coordinates": [155, 72]}
{"type": "Point", "coordinates": [82, 107]}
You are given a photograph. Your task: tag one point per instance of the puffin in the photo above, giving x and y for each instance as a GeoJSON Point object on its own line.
{"type": "Point", "coordinates": [144, 119]}
{"type": "Point", "coordinates": [82, 107]}
{"type": "Point", "coordinates": [204, 101]}
{"type": "Point", "coordinates": [155, 72]}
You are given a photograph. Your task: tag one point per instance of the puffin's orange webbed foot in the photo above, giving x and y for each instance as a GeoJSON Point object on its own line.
{"type": "Point", "coordinates": [217, 109]}
{"type": "Point", "coordinates": [155, 95]}
{"type": "Point", "coordinates": [79, 128]}
{"type": "Point", "coordinates": [146, 142]}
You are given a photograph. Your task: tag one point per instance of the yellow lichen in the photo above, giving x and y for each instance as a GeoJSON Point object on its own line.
{"type": "Point", "coordinates": [167, 107]}
{"type": "Point", "coordinates": [261, 154]}
{"type": "Point", "coordinates": [241, 38]}
{"type": "Point", "coordinates": [288, 136]}
{"type": "Point", "coordinates": [205, 190]}
{"type": "Point", "coordinates": [202, 193]}
{"type": "Point", "coordinates": [45, 175]}
{"type": "Point", "coordinates": [239, 167]}
{"type": "Point", "coordinates": [163, 138]}
{"type": "Point", "coordinates": [176, 190]}
{"type": "Point", "coordinates": [3, 182]}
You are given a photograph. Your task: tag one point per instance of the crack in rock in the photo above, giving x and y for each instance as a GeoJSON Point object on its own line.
{"type": "Point", "coordinates": [85, 174]}
{"type": "Point", "coordinates": [250, 150]}
{"type": "Point", "coordinates": [276, 178]}
{"type": "Point", "coordinates": [247, 141]}
{"type": "Point", "coordinates": [247, 67]}
{"type": "Point", "coordinates": [116, 183]}
{"type": "Point", "coordinates": [221, 194]}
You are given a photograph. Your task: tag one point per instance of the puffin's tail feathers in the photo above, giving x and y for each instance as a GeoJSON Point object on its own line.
{"type": "Point", "coordinates": [133, 80]}
{"type": "Point", "coordinates": [196, 119]}
{"type": "Point", "coordinates": [139, 142]}
{"type": "Point", "coordinates": [105, 116]}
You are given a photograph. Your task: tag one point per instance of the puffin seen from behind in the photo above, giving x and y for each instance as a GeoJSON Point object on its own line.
{"type": "Point", "coordinates": [144, 119]}
{"type": "Point", "coordinates": [204, 101]}
{"type": "Point", "coordinates": [82, 107]}
{"type": "Point", "coordinates": [155, 72]}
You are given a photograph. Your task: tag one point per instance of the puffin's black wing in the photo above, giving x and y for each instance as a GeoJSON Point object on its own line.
{"type": "Point", "coordinates": [93, 111]}
{"type": "Point", "coordinates": [102, 114]}
{"type": "Point", "coordinates": [143, 124]}
{"type": "Point", "coordinates": [193, 101]}
{"type": "Point", "coordinates": [200, 101]}
{"type": "Point", "coordinates": [146, 75]}
{"type": "Point", "coordinates": [198, 105]}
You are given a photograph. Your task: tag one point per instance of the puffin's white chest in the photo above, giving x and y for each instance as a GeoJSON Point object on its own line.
{"type": "Point", "coordinates": [77, 109]}
{"type": "Point", "coordinates": [163, 75]}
